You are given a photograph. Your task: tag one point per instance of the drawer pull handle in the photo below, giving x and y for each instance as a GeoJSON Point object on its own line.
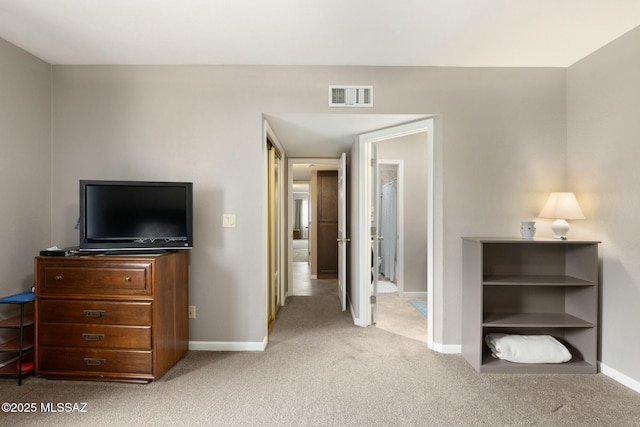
{"type": "Point", "coordinates": [90, 361]}
{"type": "Point", "coordinates": [94, 313]}
{"type": "Point", "coordinates": [127, 279]}
{"type": "Point", "coordinates": [93, 337]}
{"type": "Point", "coordinates": [58, 278]}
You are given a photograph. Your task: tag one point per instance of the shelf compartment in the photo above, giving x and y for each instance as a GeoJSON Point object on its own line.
{"type": "Point", "coordinates": [534, 320]}
{"type": "Point", "coordinates": [575, 259]}
{"type": "Point", "coordinates": [576, 301]}
{"type": "Point", "coordinates": [14, 322]}
{"type": "Point", "coordinates": [535, 280]}
{"type": "Point", "coordinates": [13, 346]}
{"type": "Point", "coordinates": [23, 298]}
{"type": "Point", "coordinates": [491, 365]}
{"type": "Point", "coordinates": [11, 371]}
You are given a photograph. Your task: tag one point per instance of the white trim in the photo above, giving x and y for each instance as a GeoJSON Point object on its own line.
{"type": "Point", "coordinates": [431, 237]}
{"type": "Point", "coordinates": [329, 163]}
{"type": "Point", "coordinates": [620, 377]}
{"type": "Point", "coordinates": [364, 244]}
{"type": "Point", "coordinates": [446, 348]}
{"type": "Point", "coordinates": [228, 345]}
{"type": "Point", "coordinates": [364, 213]}
{"type": "Point", "coordinates": [356, 320]}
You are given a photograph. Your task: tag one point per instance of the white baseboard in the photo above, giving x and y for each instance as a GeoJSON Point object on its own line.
{"type": "Point", "coordinates": [356, 320]}
{"type": "Point", "coordinates": [227, 345]}
{"type": "Point", "coordinates": [620, 377]}
{"type": "Point", "coordinates": [447, 348]}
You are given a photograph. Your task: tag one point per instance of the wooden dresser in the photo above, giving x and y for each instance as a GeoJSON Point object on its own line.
{"type": "Point", "coordinates": [111, 318]}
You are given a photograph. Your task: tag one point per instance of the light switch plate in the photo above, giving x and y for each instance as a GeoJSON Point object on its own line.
{"type": "Point", "coordinates": [229, 220]}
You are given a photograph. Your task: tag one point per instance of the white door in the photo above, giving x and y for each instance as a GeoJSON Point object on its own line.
{"type": "Point", "coordinates": [375, 230]}
{"type": "Point", "coordinates": [342, 231]}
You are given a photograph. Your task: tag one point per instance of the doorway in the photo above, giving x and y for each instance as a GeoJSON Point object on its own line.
{"type": "Point", "coordinates": [320, 136]}
{"type": "Point", "coordinates": [301, 221]}
{"type": "Point", "coordinates": [390, 253]}
{"type": "Point", "coordinates": [402, 223]}
{"type": "Point", "coordinates": [305, 272]}
{"type": "Point", "coordinates": [367, 233]}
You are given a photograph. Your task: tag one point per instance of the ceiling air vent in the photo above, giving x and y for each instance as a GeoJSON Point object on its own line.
{"type": "Point", "coordinates": [350, 96]}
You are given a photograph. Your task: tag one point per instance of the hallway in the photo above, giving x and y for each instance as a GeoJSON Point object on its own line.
{"type": "Point", "coordinates": [303, 285]}
{"type": "Point", "coordinates": [395, 313]}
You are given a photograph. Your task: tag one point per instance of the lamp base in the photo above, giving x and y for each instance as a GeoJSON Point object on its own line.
{"type": "Point", "coordinates": [560, 229]}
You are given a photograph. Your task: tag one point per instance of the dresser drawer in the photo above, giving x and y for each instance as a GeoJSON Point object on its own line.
{"type": "Point", "coordinates": [54, 360]}
{"type": "Point", "coordinates": [102, 278]}
{"type": "Point", "coordinates": [94, 336]}
{"type": "Point", "coordinates": [95, 312]}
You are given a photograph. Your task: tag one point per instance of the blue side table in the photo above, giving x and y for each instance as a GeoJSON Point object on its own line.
{"type": "Point", "coordinates": [24, 342]}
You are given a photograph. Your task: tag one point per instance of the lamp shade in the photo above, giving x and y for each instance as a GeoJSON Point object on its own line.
{"type": "Point", "coordinates": [562, 206]}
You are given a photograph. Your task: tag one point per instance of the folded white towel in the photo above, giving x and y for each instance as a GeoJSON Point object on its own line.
{"type": "Point", "coordinates": [527, 348]}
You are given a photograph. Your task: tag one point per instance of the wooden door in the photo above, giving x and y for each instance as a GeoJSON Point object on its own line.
{"type": "Point", "coordinates": [327, 223]}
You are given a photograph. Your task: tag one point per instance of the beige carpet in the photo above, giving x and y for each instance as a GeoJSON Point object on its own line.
{"type": "Point", "coordinates": [300, 250]}
{"type": "Point", "coordinates": [320, 370]}
{"type": "Point", "coordinates": [300, 255]}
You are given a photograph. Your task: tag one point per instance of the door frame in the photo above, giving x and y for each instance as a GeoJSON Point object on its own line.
{"type": "Point", "coordinates": [321, 163]}
{"type": "Point", "coordinates": [269, 137]}
{"type": "Point", "coordinates": [434, 251]}
{"type": "Point", "coordinates": [343, 233]}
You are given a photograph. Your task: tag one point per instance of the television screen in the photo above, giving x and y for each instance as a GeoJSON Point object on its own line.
{"type": "Point", "coordinates": [129, 215]}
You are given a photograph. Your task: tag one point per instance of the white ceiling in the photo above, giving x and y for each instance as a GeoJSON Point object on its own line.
{"type": "Point", "coordinates": [503, 33]}
{"type": "Point", "coordinates": [316, 32]}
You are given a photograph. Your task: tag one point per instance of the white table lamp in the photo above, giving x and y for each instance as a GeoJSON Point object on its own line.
{"type": "Point", "coordinates": [561, 207]}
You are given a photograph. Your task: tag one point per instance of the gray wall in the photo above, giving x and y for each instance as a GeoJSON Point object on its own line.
{"type": "Point", "coordinates": [203, 124]}
{"type": "Point", "coordinates": [412, 150]}
{"type": "Point", "coordinates": [603, 150]}
{"type": "Point", "coordinates": [25, 165]}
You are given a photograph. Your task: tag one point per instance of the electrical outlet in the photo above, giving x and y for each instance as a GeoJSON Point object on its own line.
{"type": "Point", "coordinates": [192, 312]}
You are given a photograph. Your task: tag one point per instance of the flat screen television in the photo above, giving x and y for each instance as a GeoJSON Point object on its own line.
{"type": "Point", "coordinates": [135, 215]}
